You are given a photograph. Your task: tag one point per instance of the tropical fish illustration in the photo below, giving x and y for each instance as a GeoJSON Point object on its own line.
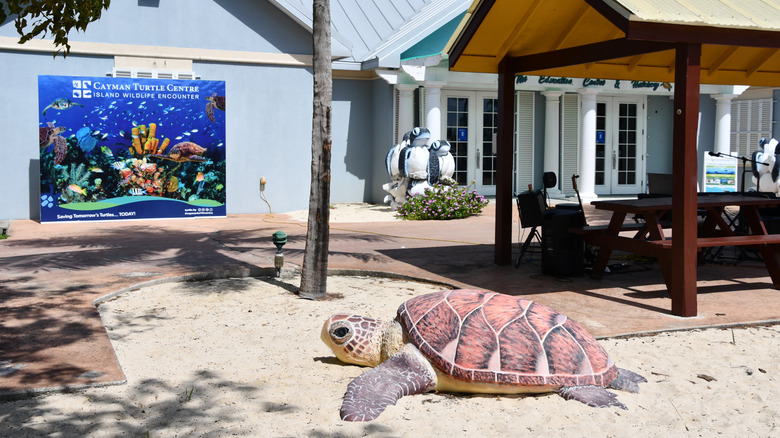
{"type": "Point", "coordinates": [200, 177]}
{"type": "Point", "coordinates": [118, 165]}
{"type": "Point", "coordinates": [173, 184]}
{"type": "Point", "coordinates": [86, 139]}
{"type": "Point", "coordinates": [135, 191]}
{"type": "Point", "coordinates": [77, 189]}
{"type": "Point", "coordinates": [61, 103]}
{"type": "Point", "coordinates": [95, 169]}
{"type": "Point", "coordinates": [106, 150]}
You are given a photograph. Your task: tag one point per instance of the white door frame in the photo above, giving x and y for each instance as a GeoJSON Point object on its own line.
{"type": "Point", "coordinates": [611, 185]}
{"type": "Point", "coordinates": [475, 145]}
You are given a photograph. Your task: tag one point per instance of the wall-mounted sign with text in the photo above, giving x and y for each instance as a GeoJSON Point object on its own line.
{"type": "Point", "coordinates": [122, 148]}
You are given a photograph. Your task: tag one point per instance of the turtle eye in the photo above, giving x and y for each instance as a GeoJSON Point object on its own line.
{"type": "Point", "coordinates": [340, 334]}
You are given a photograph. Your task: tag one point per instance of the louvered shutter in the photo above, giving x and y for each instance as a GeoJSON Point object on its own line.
{"type": "Point", "coordinates": [524, 140]}
{"type": "Point", "coordinates": [751, 120]}
{"type": "Point", "coordinates": [570, 140]}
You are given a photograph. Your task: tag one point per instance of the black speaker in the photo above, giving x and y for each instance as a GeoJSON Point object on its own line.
{"type": "Point", "coordinates": [549, 180]}
{"type": "Point", "coordinates": [531, 206]}
{"type": "Point", "coordinates": [563, 253]}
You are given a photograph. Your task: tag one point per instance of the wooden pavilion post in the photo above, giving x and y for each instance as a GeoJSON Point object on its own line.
{"type": "Point", "coordinates": [684, 177]}
{"type": "Point", "coordinates": [504, 201]}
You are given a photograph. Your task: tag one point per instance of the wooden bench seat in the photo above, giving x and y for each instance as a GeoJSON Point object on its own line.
{"type": "Point", "coordinates": [738, 240]}
{"type": "Point", "coordinates": [592, 229]}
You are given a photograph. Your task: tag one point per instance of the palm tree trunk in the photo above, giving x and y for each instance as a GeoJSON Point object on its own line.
{"type": "Point", "coordinates": [314, 274]}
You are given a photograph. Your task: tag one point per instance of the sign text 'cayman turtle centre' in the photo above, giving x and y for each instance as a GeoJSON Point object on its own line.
{"type": "Point", "coordinates": [127, 148]}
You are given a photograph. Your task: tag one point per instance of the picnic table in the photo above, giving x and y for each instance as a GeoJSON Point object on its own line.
{"type": "Point", "coordinates": [650, 238]}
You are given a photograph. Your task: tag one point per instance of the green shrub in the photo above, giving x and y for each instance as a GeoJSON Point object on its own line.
{"type": "Point", "coordinates": [442, 202]}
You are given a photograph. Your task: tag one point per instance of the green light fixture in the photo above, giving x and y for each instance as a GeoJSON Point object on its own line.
{"type": "Point", "coordinates": [279, 238]}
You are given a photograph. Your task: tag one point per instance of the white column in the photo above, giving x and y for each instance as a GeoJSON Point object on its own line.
{"type": "Point", "coordinates": [433, 108]}
{"type": "Point", "coordinates": [587, 164]}
{"type": "Point", "coordinates": [405, 109]}
{"type": "Point", "coordinates": [723, 122]}
{"type": "Point", "coordinates": [552, 123]}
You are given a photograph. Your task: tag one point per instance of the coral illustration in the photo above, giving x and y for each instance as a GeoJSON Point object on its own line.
{"type": "Point", "coordinates": [146, 142]}
{"type": "Point", "coordinates": [74, 181]}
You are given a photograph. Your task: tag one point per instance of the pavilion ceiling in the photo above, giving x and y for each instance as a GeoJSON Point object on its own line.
{"type": "Point", "coordinates": [627, 39]}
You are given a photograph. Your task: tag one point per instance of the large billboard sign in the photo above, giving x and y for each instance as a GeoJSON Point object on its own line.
{"type": "Point", "coordinates": [125, 148]}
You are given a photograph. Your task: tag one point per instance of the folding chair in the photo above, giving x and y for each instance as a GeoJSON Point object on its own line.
{"type": "Point", "coordinates": [531, 206]}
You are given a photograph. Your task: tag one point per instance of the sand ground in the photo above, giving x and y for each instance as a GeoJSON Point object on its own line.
{"type": "Point", "coordinates": [242, 357]}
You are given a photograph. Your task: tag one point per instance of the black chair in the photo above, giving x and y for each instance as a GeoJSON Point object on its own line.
{"type": "Point", "coordinates": [531, 206]}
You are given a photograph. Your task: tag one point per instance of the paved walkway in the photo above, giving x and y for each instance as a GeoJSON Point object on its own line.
{"type": "Point", "coordinates": [51, 335]}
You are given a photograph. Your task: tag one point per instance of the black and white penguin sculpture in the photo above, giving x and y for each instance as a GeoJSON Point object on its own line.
{"type": "Point", "coordinates": [766, 166]}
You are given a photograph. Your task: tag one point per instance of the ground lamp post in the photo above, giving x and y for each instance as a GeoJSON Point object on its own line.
{"type": "Point", "coordinates": [279, 238]}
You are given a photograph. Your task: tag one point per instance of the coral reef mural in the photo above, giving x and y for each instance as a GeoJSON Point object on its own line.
{"type": "Point", "coordinates": [97, 162]}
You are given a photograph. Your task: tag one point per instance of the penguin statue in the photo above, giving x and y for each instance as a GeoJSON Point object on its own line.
{"type": "Point", "coordinates": [416, 164]}
{"type": "Point", "coordinates": [766, 167]}
{"type": "Point", "coordinates": [446, 163]}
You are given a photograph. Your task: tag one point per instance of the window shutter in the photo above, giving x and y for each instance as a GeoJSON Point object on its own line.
{"type": "Point", "coordinates": [151, 74]}
{"type": "Point", "coordinates": [570, 140]}
{"type": "Point", "coordinates": [751, 120]}
{"type": "Point", "coordinates": [524, 140]}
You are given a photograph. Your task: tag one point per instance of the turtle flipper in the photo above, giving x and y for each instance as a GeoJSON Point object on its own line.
{"type": "Point", "coordinates": [210, 111]}
{"type": "Point", "coordinates": [60, 149]}
{"type": "Point", "coordinates": [594, 396]}
{"type": "Point", "coordinates": [627, 381]}
{"type": "Point", "coordinates": [405, 373]}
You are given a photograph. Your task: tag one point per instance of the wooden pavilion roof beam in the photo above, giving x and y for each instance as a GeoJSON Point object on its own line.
{"type": "Point", "coordinates": [716, 65]}
{"type": "Point", "coordinates": [634, 61]}
{"type": "Point", "coordinates": [521, 24]}
{"type": "Point", "coordinates": [619, 48]}
{"type": "Point", "coordinates": [568, 29]}
{"type": "Point", "coordinates": [760, 60]}
{"type": "Point", "coordinates": [690, 34]}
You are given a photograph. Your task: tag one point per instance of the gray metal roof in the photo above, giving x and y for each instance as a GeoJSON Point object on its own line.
{"type": "Point", "coordinates": [376, 32]}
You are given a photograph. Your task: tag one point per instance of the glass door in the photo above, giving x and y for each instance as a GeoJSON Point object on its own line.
{"type": "Point", "coordinates": [470, 125]}
{"type": "Point", "coordinates": [620, 145]}
{"type": "Point", "coordinates": [486, 147]}
{"type": "Point", "coordinates": [456, 130]}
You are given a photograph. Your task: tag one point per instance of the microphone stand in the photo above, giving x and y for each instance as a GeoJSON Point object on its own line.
{"type": "Point", "coordinates": [744, 160]}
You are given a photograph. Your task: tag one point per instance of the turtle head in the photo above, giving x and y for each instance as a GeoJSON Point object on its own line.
{"type": "Point", "coordinates": [354, 339]}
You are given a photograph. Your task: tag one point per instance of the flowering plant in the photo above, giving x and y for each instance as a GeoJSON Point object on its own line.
{"type": "Point", "coordinates": [442, 202]}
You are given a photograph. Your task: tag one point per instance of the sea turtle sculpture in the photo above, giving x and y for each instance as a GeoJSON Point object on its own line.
{"type": "Point", "coordinates": [215, 101]}
{"type": "Point", "coordinates": [184, 151]}
{"type": "Point", "coordinates": [476, 342]}
{"type": "Point", "coordinates": [61, 103]}
{"type": "Point", "coordinates": [50, 134]}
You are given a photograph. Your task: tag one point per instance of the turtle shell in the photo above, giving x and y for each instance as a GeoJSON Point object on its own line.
{"type": "Point", "coordinates": [43, 136]}
{"type": "Point", "coordinates": [486, 337]}
{"type": "Point", "coordinates": [219, 102]}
